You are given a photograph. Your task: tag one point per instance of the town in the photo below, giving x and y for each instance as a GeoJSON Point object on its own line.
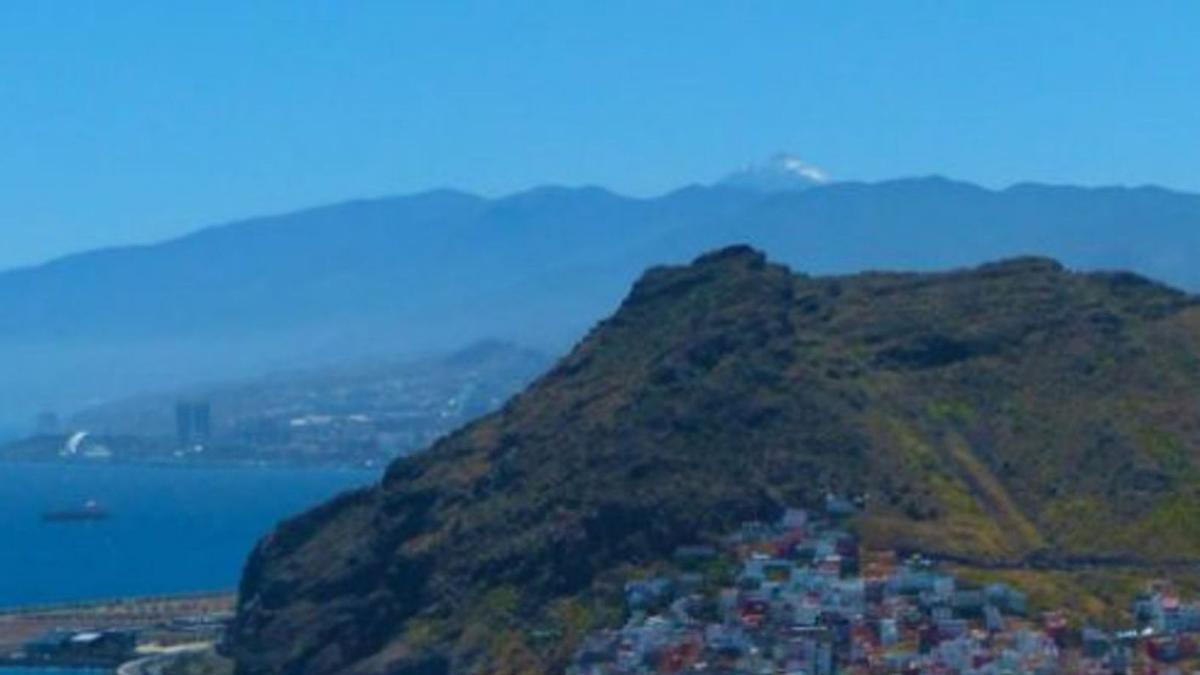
{"type": "Point", "coordinates": [801, 596]}
{"type": "Point", "coordinates": [360, 414]}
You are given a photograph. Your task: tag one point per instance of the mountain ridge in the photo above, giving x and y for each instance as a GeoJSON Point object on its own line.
{"type": "Point", "coordinates": [443, 268]}
{"type": "Point", "coordinates": [1005, 414]}
{"type": "Point", "coordinates": [471, 197]}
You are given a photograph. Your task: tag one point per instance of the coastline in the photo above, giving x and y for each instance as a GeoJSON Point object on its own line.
{"type": "Point", "coordinates": [164, 625]}
{"type": "Point", "coordinates": [167, 463]}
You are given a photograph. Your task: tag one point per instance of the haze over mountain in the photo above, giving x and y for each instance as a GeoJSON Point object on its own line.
{"type": "Point", "coordinates": [363, 412]}
{"type": "Point", "coordinates": [435, 271]}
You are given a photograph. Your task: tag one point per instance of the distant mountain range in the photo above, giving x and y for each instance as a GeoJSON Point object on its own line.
{"type": "Point", "coordinates": [439, 270]}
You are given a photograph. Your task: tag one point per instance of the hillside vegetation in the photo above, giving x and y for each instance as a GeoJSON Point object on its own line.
{"type": "Point", "coordinates": [1015, 413]}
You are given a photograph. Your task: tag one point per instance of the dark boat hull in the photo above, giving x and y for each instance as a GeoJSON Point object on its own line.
{"type": "Point", "coordinates": [80, 516]}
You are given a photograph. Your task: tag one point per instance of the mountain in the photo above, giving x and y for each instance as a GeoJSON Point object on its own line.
{"type": "Point", "coordinates": [437, 271]}
{"type": "Point", "coordinates": [1014, 413]}
{"type": "Point", "coordinates": [780, 173]}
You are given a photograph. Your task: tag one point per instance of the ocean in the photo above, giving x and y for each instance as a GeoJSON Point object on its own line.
{"type": "Point", "coordinates": [171, 530]}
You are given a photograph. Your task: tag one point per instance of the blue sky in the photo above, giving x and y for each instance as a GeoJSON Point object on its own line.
{"type": "Point", "coordinates": [135, 121]}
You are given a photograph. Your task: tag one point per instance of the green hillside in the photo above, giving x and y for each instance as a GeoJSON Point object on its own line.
{"type": "Point", "coordinates": [1012, 413]}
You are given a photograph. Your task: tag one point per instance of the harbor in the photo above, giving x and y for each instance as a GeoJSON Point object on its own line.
{"type": "Point", "coordinates": [105, 634]}
{"type": "Point", "coordinates": [101, 563]}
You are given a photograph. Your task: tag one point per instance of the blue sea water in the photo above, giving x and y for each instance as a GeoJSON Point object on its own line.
{"type": "Point", "coordinates": [171, 529]}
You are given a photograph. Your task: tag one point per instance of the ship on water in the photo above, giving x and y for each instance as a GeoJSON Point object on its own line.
{"type": "Point", "coordinates": [90, 510]}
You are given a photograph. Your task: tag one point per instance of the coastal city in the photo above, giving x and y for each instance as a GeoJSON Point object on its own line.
{"type": "Point", "coordinates": [357, 415]}
{"type": "Point", "coordinates": [802, 597]}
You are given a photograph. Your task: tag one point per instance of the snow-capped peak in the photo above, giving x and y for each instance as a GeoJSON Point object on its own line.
{"type": "Point", "coordinates": [779, 173]}
{"type": "Point", "coordinates": [795, 165]}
